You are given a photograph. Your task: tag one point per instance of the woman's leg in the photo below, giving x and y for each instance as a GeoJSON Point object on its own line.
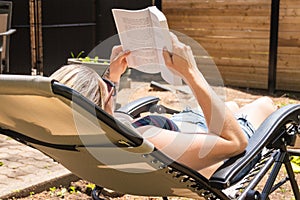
{"type": "Point", "coordinates": [257, 111]}
{"type": "Point", "coordinates": [233, 106]}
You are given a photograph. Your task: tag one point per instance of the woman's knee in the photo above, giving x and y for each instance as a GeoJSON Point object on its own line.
{"type": "Point", "coordinates": [258, 110]}
{"type": "Point", "coordinates": [266, 103]}
{"type": "Point", "coordinates": [265, 99]}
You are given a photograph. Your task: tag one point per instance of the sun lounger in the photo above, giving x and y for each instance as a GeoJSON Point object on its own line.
{"type": "Point", "coordinates": [93, 145]}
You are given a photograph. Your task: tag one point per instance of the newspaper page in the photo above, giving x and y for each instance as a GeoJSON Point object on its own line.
{"type": "Point", "coordinates": [145, 33]}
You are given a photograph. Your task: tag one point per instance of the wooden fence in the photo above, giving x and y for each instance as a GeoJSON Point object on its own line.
{"type": "Point", "coordinates": [236, 35]}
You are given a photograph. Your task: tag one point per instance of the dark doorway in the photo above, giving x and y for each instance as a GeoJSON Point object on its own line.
{"type": "Point", "coordinates": [67, 26]}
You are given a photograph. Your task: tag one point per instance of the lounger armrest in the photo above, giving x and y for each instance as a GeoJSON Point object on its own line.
{"type": "Point", "coordinates": [266, 135]}
{"type": "Point", "coordinates": [145, 104]}
{"type": "Point", "coordinates": [294, 152]}
{"type": "Point", "coordinates": [135, 108]}
{"type": "Point", "coordinates": [9, 32]}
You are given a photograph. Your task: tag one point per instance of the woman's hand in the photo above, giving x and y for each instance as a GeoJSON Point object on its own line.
{"type": "Point", "coordinates": [118, 63]}
{"type": "Point", "coordinates": [181, 60]}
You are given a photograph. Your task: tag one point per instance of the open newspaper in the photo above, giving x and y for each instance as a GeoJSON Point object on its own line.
{"type": "Point", "coordinates": [145, 33]}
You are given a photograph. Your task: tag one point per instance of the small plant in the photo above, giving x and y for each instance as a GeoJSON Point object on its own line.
{"type": "Point", "coordinates": [52, 191]}
{"type": "Point", "coordinates": [61, 193]}
{"type": "Point", "coordinates": [88, 59]}
{"type": "Point", "coordinates": [78, 55]}
{"type": "Point", "coordinates": [282, 189]}
{"type": "Point", "coordinates": [16, 191]}
{"type": "Point", "coordinates": [295, 161]}
{"type": "Point", "coordinates": [85, 59]}
{"type": "Point", "coordinates": [89, 188]}
{"type": "Point", "coordinates": [72, 189]}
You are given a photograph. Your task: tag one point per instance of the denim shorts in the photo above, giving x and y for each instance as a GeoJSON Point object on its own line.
{"type": "Point", "coordinates": [197, 117]}
{"type": "Point", "coordinates": [246, 126]}
{"type": "Point", "coordinates": [190, 117]}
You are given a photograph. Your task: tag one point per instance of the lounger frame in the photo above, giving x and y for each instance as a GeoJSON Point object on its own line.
{"type": "Point", "coordinates": [170, 178]}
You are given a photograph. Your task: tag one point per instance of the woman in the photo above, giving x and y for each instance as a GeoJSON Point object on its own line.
{"type": "Point", "coordinates": [87, 82]}
{"type": "Point", "coordinates": [227, 128]}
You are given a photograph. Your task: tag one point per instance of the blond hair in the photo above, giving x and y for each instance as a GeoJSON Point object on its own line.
{"type": "Point", "coordinates": [82, 79]}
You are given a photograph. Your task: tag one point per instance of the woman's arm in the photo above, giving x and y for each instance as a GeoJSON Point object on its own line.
{"type": "Point", "coordinates": [196, 150]}
{"type": "Point", "coordinates": [219, 118]}
{"type": "Point", "coordinates": [118, 63]}
{"type": "Point", "coordinates": [225, 137]}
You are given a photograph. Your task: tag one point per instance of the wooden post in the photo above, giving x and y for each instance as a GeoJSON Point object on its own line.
{"type": "Point", "coordinates": [275, 8]}
{"type": "Point", "coordinates": [32, 36]}
{"type": "Point", "coordinates": [35, 12]}
{"type": "Point", "coordinates": [40, 38]}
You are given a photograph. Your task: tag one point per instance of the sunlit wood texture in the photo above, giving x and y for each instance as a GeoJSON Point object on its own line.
{"type": "Point", "coordinates": [236, 36]}
{"type": "Point", "coordinates": [35, 12]}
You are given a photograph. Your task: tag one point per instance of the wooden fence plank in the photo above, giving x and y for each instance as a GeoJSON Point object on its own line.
{"type": "Point", "coordinates": [209, 33]}
{"type": "Point", "coordinates": [240, 11]}
{"type": "Point", "coordinates": [235, 38]}
{"type": "Point", "coordinates": [290, 50]}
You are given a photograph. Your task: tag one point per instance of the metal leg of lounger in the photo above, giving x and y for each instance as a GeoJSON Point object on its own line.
{"type": "Point", "coordinates": [282, 158]}
{"type": "Point", "coordinates": [270, 182]}
{"type": "Point", "coordinates": [291, 176]}
{"type": "Point", "coordinates": [99, 191]}
{"type": "Point", "coordinates": [96, 193]}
